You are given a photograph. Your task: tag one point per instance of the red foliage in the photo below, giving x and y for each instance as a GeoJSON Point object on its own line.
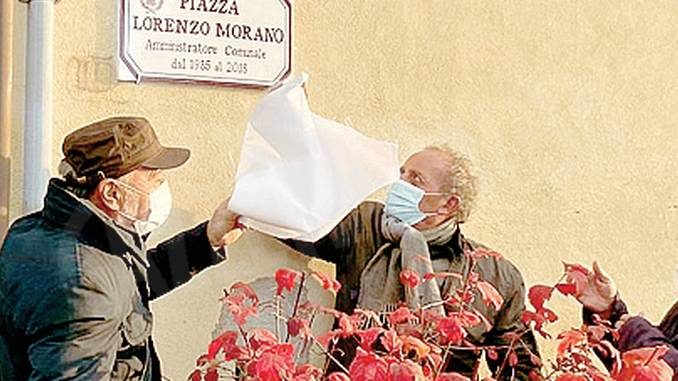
{"type": "Point", "coordinates": [538, 295]}
{"type": "Point", "coordinates": [285, 278]}
{"type": "Point", "coordinates": [367, 367]}
{"type": "Point", "coordinates": [274, 364]}
{"type": "Point", "coordinates": [452, 377]}
{"type": "Point", "coordinates": [405, 371]}
{"type": "Point", "coordinates": [410, 345]}
{"type": "Point", "coordinates": [577, 275]}
{"type": "Point", "coordinates": [307, 372]}
{"type": "Point", "coordinates": [566, 288]}
{"type": "Point", "coordinates": [241, 302]}
{"type": "Point", "coordinates": [571, 377]}
{"type": "Point", "coordinates": [400, 316]}
{"type": "Point", "coordinates": [298, 327]}
{"type": "Point", "coordinates": [570, 339]}
{"type": "Point", "coordinates": [644, 364]}
{"type": "Point", "coordinates": [490, 295]}
{"type": "Point", "coordinates": [338, 376]}
{"type": "Point", "coordinates": [226, 343]}
{"type": "Point", "coordinates": [211, 375]}
{"type": "Point", "coordinates": [409, 278]}
{"type": "Point", "coordinates": [261, 338]}
{"type": "Point", "coordinates": [368, 337]}
{"type": "Point", "coordinates": [451, 331]}
{"type": "Point", "coordinates": [327, 283]}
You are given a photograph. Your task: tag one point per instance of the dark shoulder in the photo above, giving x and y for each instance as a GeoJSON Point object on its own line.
{"type": "Point", "coordinates": [35, 249]}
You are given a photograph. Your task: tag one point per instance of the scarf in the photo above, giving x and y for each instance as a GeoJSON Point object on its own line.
{"type": "Point", "coordinates": [407, 249]}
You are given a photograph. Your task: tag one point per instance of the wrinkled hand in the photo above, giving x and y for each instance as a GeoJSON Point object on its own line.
{"type": "Point", "coordinates": [597, 292]}
{"type": "Point", "coordinates": [223, 228]}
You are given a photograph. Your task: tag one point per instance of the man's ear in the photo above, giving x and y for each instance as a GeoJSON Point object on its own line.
{"type": "Point", "coordinates": [108, 195]}
{"type": "Point", "coordinates": [451, 205]}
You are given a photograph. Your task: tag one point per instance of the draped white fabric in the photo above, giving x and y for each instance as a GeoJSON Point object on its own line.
{"type": "Point", "coordinates": [300, 174]}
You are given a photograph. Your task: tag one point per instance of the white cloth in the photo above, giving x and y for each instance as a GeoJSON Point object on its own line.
{"type": "Point", "coordinates": [300, 174]}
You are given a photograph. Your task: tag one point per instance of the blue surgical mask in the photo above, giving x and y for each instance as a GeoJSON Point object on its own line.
{"type": "Point", "coordinates": [403, 201]}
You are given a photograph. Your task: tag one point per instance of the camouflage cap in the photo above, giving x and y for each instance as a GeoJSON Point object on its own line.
{"type": "Point", "coordinates": [115, 146]}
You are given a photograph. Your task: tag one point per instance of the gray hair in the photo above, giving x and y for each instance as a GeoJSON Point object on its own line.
{"type": "Point", "coordinates": [460, 180]}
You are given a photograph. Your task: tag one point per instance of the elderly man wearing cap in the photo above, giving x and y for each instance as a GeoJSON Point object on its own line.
{"type": "Point", "coordinates": [76, 278]}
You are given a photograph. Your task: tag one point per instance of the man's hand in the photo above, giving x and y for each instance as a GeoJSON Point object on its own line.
{"type": "Point", "coordinates": [223, 229]}
{"type": "Point", "coordinates": [597, 291]}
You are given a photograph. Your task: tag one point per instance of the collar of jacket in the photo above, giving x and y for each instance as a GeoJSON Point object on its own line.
{"type": "Point", "coordinates": [65, 210]}
{"type": "Point", "coordinates": [452, 248]}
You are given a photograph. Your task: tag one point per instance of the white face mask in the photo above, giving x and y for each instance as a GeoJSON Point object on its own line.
{"type": "Point", "coordinates": [160, 205]}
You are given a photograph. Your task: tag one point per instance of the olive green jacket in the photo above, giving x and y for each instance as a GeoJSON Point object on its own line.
{"type": "Point", "coordinates": [352, 243]}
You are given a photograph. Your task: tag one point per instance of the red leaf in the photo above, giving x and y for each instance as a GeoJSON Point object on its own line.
{"type": "Point", "coordinates": [298, 327]}
{"type": "Point", "coordinates": [452, 377]}
{"type": "Point", "coordinates": [490, 295]}
{"type": "Point", "coordinates": [535, 376]}
{"type": "Point", "coordinates": [409, 278]}
{"type": "Point", "coordinates": [391, 341]}
{"type": "Point", "coordinates": [400, 316]}
{"type": "Point", "coordinates": [451, 331]}
{"type": "Point", "coordinates": [202, 360]}
{"type": "Point", "coordinates": [195, 376]}
{"type": "Point", "coordinates": [492, 354]}
{"type": "Point", "coordinates": [513, 359]}
{"type": "Point", "coordinates": [571, 377]}
{"type": "Point", "coordinates": [274, 364]}
{"type": "Point", "coordinates": [368, 337]}
{"type": "Point", "coordinates": [538, 295]}
{"type": "Point", "coordinates": [567, 288]}
{"type": "Point", "coordinates": [368, 367]}
{"type": "Point", "coordinates": [244, 289]}
{"type": "Point", "coordinates": [644, 364]}
{"type": "Point", "coordinates": [570, 339]}
{"type": "Point", "coordinates": [538, 320]}
{"type": "Point", "coordinates": [211, 375]}
{"type": "Point", "coordinates": [261, 338]}
{"type": "Point", "coordinates": [307, 372]}
{"type": "Point", "coordinates": [285, 278]}
{"type": "Point", "coordinates": [577, 275]}
{"type": "Point", "coordinates": [241, 302]}
{"type": "Point", "coordinates": [405, 371]}
{"type": "Point", "coordinates": [337, 376]}
{"type": "Point", "coordinates": [225, 342]}
{"type": "Point", "coordinates": [467, 319]}
{"type": "Point", "coordinates": [327, 283]}
{"type": "Point", "coordinates": [326, 337]}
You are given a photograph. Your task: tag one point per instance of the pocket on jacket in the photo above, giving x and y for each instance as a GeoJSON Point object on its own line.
{"type": "Point", "coordinates": [137, 326]}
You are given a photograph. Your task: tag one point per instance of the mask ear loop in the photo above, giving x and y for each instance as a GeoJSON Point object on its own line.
{"type": "Point", "coordinates": [431, 214]}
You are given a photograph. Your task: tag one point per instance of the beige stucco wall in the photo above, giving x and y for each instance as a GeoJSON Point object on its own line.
{"type": "Point", "coordinates": [567, 108]}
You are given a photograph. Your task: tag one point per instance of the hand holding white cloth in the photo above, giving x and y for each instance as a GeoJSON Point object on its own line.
{"type": "Point", "coordinates": [300, 174]}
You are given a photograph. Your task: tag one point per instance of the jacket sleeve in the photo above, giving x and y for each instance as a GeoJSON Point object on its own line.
{"type": "Point", "coordinates": [173, 262]}
{"type": "Point", "coordinates": [508, 321]}
{"type": "Point", "coordinates": [73, 334]}
{"type": "Point", "coordinates": [340, 240]}
{"type": "Point", "coordinates": [638, 333]}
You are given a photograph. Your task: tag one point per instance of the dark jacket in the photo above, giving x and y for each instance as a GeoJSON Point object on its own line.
{"type": "Point", "coordinates": [637, 332]}
{"type": "Point", "coordinates": [75, 291]}
{"type": "Point", "coordinates": [358, 237]}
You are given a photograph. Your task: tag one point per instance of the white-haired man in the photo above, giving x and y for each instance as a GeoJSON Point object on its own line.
{"type": "Point", "coordinates": [374, 243]}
